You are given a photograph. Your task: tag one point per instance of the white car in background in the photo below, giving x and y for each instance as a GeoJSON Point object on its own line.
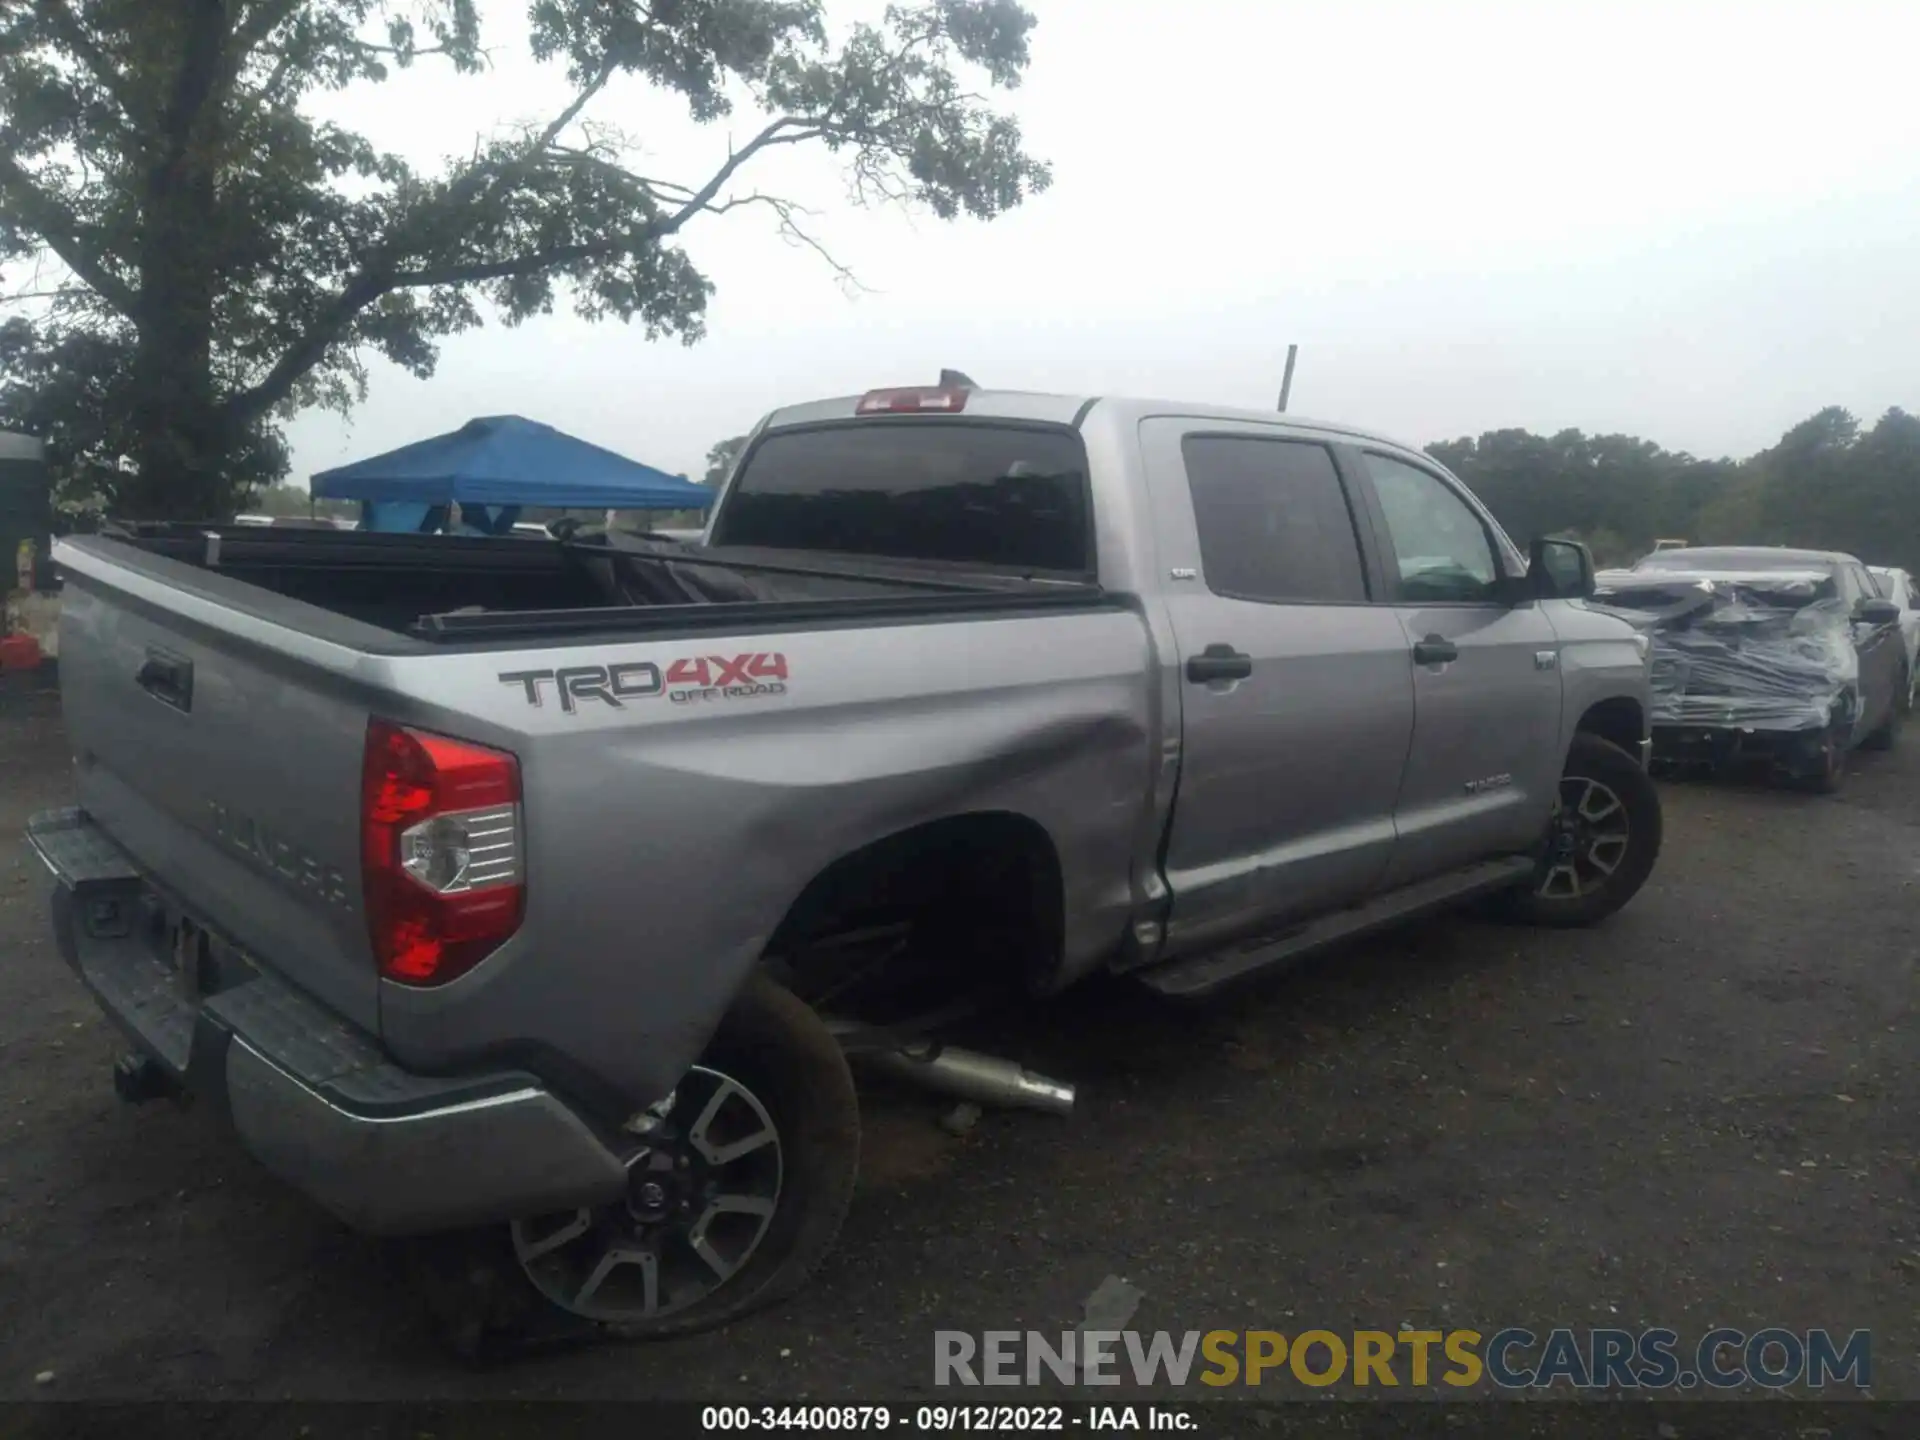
{"type": "Point", "coordinates": [1899, 587]}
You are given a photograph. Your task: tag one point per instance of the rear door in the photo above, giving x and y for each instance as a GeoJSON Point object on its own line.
{"type": "Point", "coordinates": [1484, 769]}
{"type": "Point", "coordinates": [1297, 702]}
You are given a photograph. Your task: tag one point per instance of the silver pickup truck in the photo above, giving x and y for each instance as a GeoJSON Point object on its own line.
{"type": "Point", "coordinates": [540, 890]}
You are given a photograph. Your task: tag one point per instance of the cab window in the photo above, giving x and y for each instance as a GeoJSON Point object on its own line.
{"type": "Point", "coordinates": [1441, 552]}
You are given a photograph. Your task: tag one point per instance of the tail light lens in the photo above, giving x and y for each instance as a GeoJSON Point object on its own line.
{"type": "Point", "coordinates": [441, 853]}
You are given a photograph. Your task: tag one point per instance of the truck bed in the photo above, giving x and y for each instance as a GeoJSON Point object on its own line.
{"type": "Point", "coordinates": [445, 589]}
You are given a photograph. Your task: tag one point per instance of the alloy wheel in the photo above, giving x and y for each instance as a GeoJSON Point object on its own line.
{"type": "Point", "coordinates": [1587, 840]}
{"type": "Point", "coordinates": [703, 1183]}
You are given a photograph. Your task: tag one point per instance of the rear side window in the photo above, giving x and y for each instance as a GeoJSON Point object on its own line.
{"type": "Point", "coordinates": [960, 492]}
{"type": "Point", "coordinates": [1273, 520]}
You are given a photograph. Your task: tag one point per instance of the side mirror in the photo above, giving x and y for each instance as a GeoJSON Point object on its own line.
{"type": "Point", "coordinates": [1560, 570]}
{"type": "Point", "coordinates": [1877, 612]}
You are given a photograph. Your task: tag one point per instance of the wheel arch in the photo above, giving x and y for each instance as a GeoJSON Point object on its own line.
{"type": "Point", "coordinates": [992, 872]}
{"type": "Point", "coordinates": [1619, 719]}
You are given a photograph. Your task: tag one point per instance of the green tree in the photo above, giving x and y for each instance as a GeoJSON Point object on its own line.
{"type": "Point", "coordinates": [1619, 492]}
{"type": "Point", "coordinates": [1804, 481]}
{"type": "Point", "coordinates": [1827, 484]}
{"type": "Point", "coordinates": [205, 254]}
{"type": "Point", "coordinates": [720, 460]}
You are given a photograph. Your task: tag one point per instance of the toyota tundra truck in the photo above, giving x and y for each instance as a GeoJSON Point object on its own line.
{"type": "Point", "coordinates": [541, 889]}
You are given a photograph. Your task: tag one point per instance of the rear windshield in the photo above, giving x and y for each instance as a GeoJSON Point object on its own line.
{"type": "Point", "coordinates": [959, 492]}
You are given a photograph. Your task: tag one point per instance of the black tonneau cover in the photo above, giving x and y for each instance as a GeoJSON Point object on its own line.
{"type": "Point", "coordinates": [463, 589]}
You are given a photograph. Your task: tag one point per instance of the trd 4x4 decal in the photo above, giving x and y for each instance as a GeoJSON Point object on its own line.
{"type": "Point", "coordinates": [686, 681]}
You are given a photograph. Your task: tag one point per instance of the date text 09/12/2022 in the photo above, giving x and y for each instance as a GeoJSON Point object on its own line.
{"type": "Point", "coordinates": [948, 1419]}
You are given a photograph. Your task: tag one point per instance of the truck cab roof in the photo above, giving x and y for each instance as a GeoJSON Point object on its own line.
{"type": "Point", "coordinates": [1051, 409]}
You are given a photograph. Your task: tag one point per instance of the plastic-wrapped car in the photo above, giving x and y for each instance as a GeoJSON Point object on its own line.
{"type": "Point", "coordinates": [1788, 657]}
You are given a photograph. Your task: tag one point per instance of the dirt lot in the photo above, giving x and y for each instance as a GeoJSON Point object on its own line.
{"type": "Point", "coordinates": [1705, 1112]}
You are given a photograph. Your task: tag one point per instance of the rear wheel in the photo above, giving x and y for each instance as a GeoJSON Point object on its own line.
{"type": "Point", "coordinates": [736, 1192]}
{"type": "Point", "coordinates": [1824, 772]}
{"type": "Point", "coordinates": [1602, 841]}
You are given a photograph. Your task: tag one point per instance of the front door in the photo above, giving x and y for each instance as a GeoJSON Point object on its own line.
{"type": "Point", "coordinates": [1296, 692]}
{"type": "Point", "coordinates": [1484, 768]}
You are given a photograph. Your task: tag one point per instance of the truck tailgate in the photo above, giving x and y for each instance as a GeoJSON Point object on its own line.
{"type": "Point", "coordinates": [228, 769]}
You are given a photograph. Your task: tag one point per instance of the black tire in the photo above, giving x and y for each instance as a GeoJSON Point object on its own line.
{"type": "Point", "coordinates": [1826, 772]}
{"type": "Point", "coordinates": [490, 1304]}
{"type": "Point", "coordinates": [1888, 731]}
{"type": "Point", "coordinates": [1595, 766]}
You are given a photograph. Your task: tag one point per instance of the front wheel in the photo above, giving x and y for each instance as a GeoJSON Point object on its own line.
{"type": "Point", "coordinates": [1824, 768]}
{"type": "Point", "coordinates": [1601, 843]}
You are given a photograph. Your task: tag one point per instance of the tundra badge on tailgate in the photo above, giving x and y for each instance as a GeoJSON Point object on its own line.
{"type": "Point", "coordinates": [283, 857]}
{"type": "Point", "coordinates": [686, 681]}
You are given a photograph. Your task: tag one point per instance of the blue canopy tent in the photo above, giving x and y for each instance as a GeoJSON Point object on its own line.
{"type": "Point", "coordinates": [491, 467]}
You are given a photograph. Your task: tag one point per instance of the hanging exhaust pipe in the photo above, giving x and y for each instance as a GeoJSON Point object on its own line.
{"type": "Point", "coordinates": [969, 1075]}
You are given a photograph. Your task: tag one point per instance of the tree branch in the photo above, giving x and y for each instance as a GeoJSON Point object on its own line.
{"type": "Point", "coordinates": [250, 37]}
{"type": "Point", "coordinates": [46, 217]}
{"type": "Point", "coordinates": [104, 71]}
{"type": "Point", "coordinates": [378, 274]}
{"type": "Point", "coordinates": [367, 47]}
{"type": "Point", "coordinates": [477, 271]}
{"type": "Point", "coordinates": [262, 20]}
{"type": "Point", "coordinates": [780, 132]}
{"type": "Point", "coordinates": [276, 77]}
{"type": "Point", "coordinates": [791, 229]}
{"type": "Point", "coordinates": [59, 292]}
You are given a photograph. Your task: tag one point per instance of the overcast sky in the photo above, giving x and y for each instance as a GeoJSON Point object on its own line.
{"type": "Point", "coordinates": [1692, 221]}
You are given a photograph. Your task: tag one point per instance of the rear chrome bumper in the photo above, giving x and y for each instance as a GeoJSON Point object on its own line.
{"type": "Point", "coordinates": [313, 1098]}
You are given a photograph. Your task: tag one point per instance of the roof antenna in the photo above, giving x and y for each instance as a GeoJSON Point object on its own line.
{"type": "Point", "coordinates": [954, 380]}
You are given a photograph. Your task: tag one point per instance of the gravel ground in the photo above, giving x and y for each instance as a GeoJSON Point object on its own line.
{"type": "Point", "coordinates": [1704, 1112]}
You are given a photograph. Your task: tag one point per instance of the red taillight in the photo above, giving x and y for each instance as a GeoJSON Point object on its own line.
{"type": "Point", "coordinates": [917, 400]}
{"type": "Point", "coordinates": [440, 852]}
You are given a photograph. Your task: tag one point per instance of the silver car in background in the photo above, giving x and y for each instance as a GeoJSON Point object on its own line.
{"type": "Point", "coordinates": [1899, 587]}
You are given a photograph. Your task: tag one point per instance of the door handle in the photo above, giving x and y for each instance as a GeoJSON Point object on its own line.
{"type": "Point", "coordinates": [1218, 662]}
{"type": "Point", "coordinates": [1435, 650]}
{"type": "Point", "coordinates": [167, 678]}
